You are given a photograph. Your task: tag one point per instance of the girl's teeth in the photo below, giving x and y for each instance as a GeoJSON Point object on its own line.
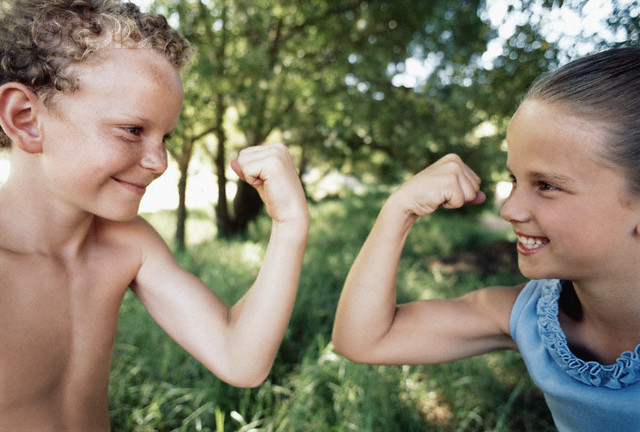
{"type": "Point", "coordinates": [530, 242]}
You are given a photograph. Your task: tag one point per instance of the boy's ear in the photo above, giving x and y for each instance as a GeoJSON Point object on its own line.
{"type": "Point", "coordinates": [19, 107]}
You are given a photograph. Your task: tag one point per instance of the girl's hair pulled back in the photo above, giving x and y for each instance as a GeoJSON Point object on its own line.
{"type": "Point", "coordinates": [604, 88]}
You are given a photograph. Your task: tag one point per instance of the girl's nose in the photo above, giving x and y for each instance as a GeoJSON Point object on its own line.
{"type": "Point", "coordinates": [154, 157]}
{"type": "Point", "coordinates": [514, 209]}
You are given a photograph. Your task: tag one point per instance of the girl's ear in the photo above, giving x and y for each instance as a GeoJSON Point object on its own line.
{"type": "Point", "coordinates": [636, 231]}
{"type": "Point", "coordinates": [19, 109]}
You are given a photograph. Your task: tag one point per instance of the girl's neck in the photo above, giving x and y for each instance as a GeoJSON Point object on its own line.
{"type": "Point", "coordinates": [600, 324]}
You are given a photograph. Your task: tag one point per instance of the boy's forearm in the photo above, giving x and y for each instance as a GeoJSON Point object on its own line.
{"type": "Point", "coordinates": [368, 302]}
{"type": "Point", "coordinates": [260, 318]}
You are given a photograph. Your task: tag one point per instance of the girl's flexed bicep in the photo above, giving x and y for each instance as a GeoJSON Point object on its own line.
{"type": "Point", "coordinates": [369, 326]}
{"type": "Point", "coordinates": [442, 330]}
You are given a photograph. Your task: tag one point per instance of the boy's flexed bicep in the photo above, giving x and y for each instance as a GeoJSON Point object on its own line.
{"type": "Point", "coordinates": [189, 311]}
{"type": "Point", "coordinates": [238, 343]}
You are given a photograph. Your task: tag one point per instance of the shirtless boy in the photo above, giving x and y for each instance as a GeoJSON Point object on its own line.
{"type": "Point", "coordinates": [89, 92]}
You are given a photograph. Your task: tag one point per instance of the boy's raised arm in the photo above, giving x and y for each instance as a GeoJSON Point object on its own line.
{"type": "Point", "coordinates": [237, 343]}
{"type": "Point", "coordinates": [369, 326]}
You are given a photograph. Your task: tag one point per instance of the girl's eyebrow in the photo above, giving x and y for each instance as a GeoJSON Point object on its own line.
{"type": "Point", "coordinates": [547, 176]}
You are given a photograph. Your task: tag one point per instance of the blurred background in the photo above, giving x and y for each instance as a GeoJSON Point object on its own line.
{"type": "Point", "coordinates": [364, 94]}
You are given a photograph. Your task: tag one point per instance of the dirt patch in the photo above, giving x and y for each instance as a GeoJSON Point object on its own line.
{"type": "Point", "coordinates": [500, 256]}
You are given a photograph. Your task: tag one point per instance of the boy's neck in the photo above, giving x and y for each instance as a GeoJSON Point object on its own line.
{"type": "Point", "coordinates": [38, 226]}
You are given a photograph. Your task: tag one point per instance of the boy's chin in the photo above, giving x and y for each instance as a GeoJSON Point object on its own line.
{"type": "Point", "coordinates": [121, 216]}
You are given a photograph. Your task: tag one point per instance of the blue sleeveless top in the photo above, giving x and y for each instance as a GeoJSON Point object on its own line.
{"type": "Point", "coordinates": [582, 395]}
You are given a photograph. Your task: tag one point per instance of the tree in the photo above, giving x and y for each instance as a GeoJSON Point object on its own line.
{"type": "Point", "coordinates": [316, 71]}
{"type": "Point", "coordinates": [322, 75]}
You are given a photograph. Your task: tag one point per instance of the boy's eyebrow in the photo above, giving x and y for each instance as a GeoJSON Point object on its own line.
{"type": "Point", "coordinates": [130, 117]}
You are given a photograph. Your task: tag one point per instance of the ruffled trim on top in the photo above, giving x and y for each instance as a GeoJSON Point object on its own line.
{"type": "Point", "coordinates": [624, 372]}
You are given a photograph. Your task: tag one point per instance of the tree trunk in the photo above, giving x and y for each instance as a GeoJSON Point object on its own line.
{"type": "Point", "coordinates": [246, 207]}
{"type": "Point", "coordinates": [224, 222]}
{"type": "Point", "coordinates": [183, 159]}
{"type": "Point", "coordinates": [181, 212]}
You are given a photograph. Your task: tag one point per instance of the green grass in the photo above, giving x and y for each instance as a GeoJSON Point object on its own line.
{"type": "Point", "coordinates": [156, 386]}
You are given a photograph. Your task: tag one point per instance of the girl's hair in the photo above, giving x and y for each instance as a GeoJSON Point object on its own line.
{"type": "Point", "coordinates": [40, 39]}
{"type": "Point", "coordinates": [604, 88]}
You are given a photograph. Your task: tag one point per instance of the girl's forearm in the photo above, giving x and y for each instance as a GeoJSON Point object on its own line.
{"type": "Point", "coordinates": [367, 304]}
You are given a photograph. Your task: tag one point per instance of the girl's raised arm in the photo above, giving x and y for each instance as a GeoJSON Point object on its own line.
{"type": "Point", "coordinates": [370, 327]}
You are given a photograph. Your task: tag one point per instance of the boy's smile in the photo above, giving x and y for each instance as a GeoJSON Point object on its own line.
{"type": "Point", "coordinates": [106, 142]}
{"type": "Point", "coordinates": [567, 206]}
{"type": "Point", "coordinates": [133, 187]}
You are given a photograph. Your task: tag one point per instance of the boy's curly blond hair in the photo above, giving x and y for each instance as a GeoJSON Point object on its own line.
{"type": "Point", "coordinates": [40, 39]}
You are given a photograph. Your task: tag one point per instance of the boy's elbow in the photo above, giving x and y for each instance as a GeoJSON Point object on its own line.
{"type": "Point", "coordinates": [242, 374]}
{"type": "Point", "coordinates": [337, 342]}
{"type": "Point", "coordinates": [245, 379]}
{"type": "Point", "coordinates": [245, 382]}
{"type": "Point", "coordinates": [345, 348]}
{"type": "Point", "coordinates": [353, 356]}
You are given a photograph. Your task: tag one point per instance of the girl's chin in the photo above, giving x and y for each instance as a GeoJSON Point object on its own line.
{"type": "Point", "coordinates": [530, 272]}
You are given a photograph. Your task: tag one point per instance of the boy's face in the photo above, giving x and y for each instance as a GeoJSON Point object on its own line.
{"type": "Point", "coordinates": [105, 143]}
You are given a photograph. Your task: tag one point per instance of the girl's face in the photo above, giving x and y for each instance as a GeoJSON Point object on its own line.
{"type": "Point", "coordinates": [567, 207]}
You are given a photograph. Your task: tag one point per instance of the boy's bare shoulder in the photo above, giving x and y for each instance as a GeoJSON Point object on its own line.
{"type": "Point", "coordinates": [138, 240]}
{"type": "Point", "coordinates": [137, 233]}
{"type": "Point", "coordinates": [108, 244]}
{"type": "Point", "coordinates": [112, 244]}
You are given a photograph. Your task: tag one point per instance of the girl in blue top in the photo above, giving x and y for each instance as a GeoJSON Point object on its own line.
{"type": "Point", "coordinates": [574, 158]}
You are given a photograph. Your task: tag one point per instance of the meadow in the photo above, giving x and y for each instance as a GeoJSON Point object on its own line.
{"type": "Point", "coordinates": [156, 386]}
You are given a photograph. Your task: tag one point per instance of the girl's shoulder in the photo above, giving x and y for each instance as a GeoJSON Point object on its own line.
{"type": "Point", "coordinates": [535, 323]}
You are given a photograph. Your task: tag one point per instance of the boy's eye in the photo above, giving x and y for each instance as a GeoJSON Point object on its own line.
{"type": "Point", "coordinates": [134, 130]}
{"type": "Point", "coordinates": [544, 186]}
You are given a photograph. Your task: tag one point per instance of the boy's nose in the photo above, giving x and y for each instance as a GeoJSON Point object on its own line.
{"type": "Point", "coordinates": [154, 157]}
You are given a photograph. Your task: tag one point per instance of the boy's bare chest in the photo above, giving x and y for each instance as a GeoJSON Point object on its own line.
{"type": "Point", "coordinates": [57, 326]}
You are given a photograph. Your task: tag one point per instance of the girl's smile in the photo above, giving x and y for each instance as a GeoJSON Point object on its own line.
{"type": "Point", "coordinates": [528, 245]}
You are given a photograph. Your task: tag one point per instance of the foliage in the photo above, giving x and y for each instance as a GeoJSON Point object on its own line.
{"type": "Point", "coordinates": [323, 76]}
{"type": "Point", "coordinates": [319, 75]}
{"type": "Point", "coordinates": [156, 386]}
